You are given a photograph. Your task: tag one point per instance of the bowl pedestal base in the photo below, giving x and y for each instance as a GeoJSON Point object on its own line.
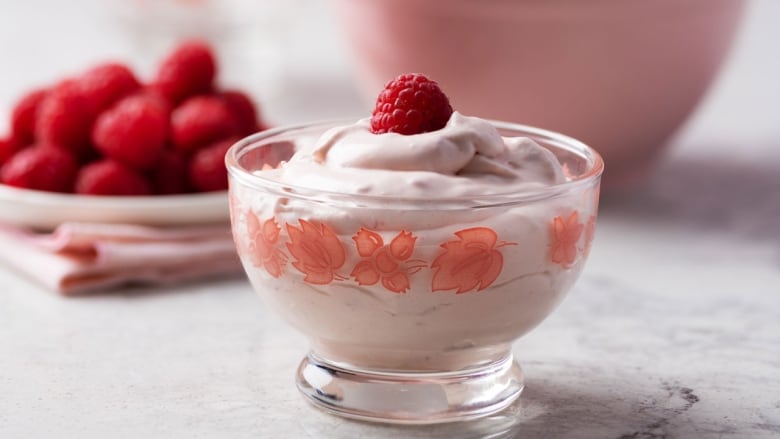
{"type": "Point", "coordinates": [401, 397]}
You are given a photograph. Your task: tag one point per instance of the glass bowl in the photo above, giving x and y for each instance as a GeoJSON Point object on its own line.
{"type": "Point", "coordinates": [411, 304]}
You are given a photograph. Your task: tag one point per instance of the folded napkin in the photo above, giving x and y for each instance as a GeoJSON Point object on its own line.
{"type": "Point", "coordinates": [81, 257]}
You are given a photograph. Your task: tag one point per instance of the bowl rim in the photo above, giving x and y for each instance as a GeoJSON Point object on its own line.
{"type": "Point", "coordinates": [589, 178]}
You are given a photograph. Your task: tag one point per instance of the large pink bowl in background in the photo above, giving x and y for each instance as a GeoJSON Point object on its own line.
{"type": "Point", "coordinates": [621, 75]}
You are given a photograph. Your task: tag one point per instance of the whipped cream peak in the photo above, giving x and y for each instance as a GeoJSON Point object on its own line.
{"type": "Point", "coordinates": [444, 151]}
{"type": "Point", "coordinates": [467, 157]}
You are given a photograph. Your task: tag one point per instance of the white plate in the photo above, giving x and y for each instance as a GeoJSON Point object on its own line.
{"type": "Point", "coordinates": [45, 210]}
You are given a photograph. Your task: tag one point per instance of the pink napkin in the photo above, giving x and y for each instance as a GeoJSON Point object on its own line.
{"type": "Point", "coordinates": [80, 257]}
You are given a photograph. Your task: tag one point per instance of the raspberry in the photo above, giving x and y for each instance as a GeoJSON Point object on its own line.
{"type": "Point", "coordinates": [153, 93]}
{"type": "Point", "coordinates": [23, 116]}
{"type": "Point", "coordinates": [243, 110]}
{"type": "Point", "coordinates": [132, 132]}
{"type": "Point", "coordinates": [65, 118]}
{"type": "Point", "coordinates": [188, 70]}
{"type": "Point", "coordinates": [107, 177]}
{"type": "Point", "coordinates": [107, 83]}
{"type": "Point", "coordinates": [169, 176]}
{"type": "Point", "coordinates": [200, 121]}
{"type": "Point", "coordinates": [207, 167]}
{"type": "Point", "coordinates": [42, 167]}
{"type": "Point", "coordinates": [410, 104]}
{"type": "Point", "coordinates": [8, 147]}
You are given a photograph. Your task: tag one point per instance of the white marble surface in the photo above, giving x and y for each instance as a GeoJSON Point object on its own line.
{"type": "Point", "coordinates": [672, 331]}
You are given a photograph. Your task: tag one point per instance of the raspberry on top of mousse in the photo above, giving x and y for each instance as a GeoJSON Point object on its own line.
{"type": "Point", "coordinates": [410, 104]}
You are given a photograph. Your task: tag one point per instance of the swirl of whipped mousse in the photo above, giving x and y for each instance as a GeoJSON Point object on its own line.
{"type": "Point", "coordinates": [466, 157]}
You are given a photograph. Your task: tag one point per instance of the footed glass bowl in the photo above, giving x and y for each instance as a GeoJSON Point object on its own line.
{"type": "Point", "coordinates": [411, 305]}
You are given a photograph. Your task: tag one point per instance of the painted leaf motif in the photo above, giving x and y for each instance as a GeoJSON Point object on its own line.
{"type": "Point", "coordinates": [252, 224]}
{"type": "Point", "coordinates": [565, 235]}
{"type": "Point", "coordinates": [318, 252]}
{"type": "Point", "coordinates": [262, 245]}
{"type": "Point", "coordinates": [275, 264]}
{"type": "Point", "coordinates": [470, 263]}
{"type": "Point", "coordinates": [271, 230]}
{"type": "Point", "coordinates": [263, 250]}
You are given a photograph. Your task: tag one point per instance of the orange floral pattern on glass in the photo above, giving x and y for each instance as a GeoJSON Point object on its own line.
{"type": "Point", "coordinates": [389, 264]}
{"type": "Point", "coordinates": [263, 249]}
{"type": "Point", "coordinates": [472, 262]}
{"type": "Point", "coordinates": [317, 250]}
{"type": "Point", "coordinates": [566, 232]}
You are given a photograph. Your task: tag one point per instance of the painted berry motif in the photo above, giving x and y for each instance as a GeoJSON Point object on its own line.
{"type": "Point", "coordinates": [389, 264]}
{"type": "Point", "coordinates": [318, 252]}
{"type": "Point", "coordinates": [566, 232]}
{"type": "Point", "coordinates": [472, 262]}
{"type": "Point", "coordinates": [263, 248]}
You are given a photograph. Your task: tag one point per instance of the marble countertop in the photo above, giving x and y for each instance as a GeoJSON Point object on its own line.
{"type": "Point", "coordinates": [672, 331]}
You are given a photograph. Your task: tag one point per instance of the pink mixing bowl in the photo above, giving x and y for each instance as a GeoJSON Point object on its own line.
{"type": "Point", "coordinates": [622, 75]}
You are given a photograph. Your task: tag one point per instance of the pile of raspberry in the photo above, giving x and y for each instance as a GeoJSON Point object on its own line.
{"type": "Point", "coordinates": [104, 132]}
